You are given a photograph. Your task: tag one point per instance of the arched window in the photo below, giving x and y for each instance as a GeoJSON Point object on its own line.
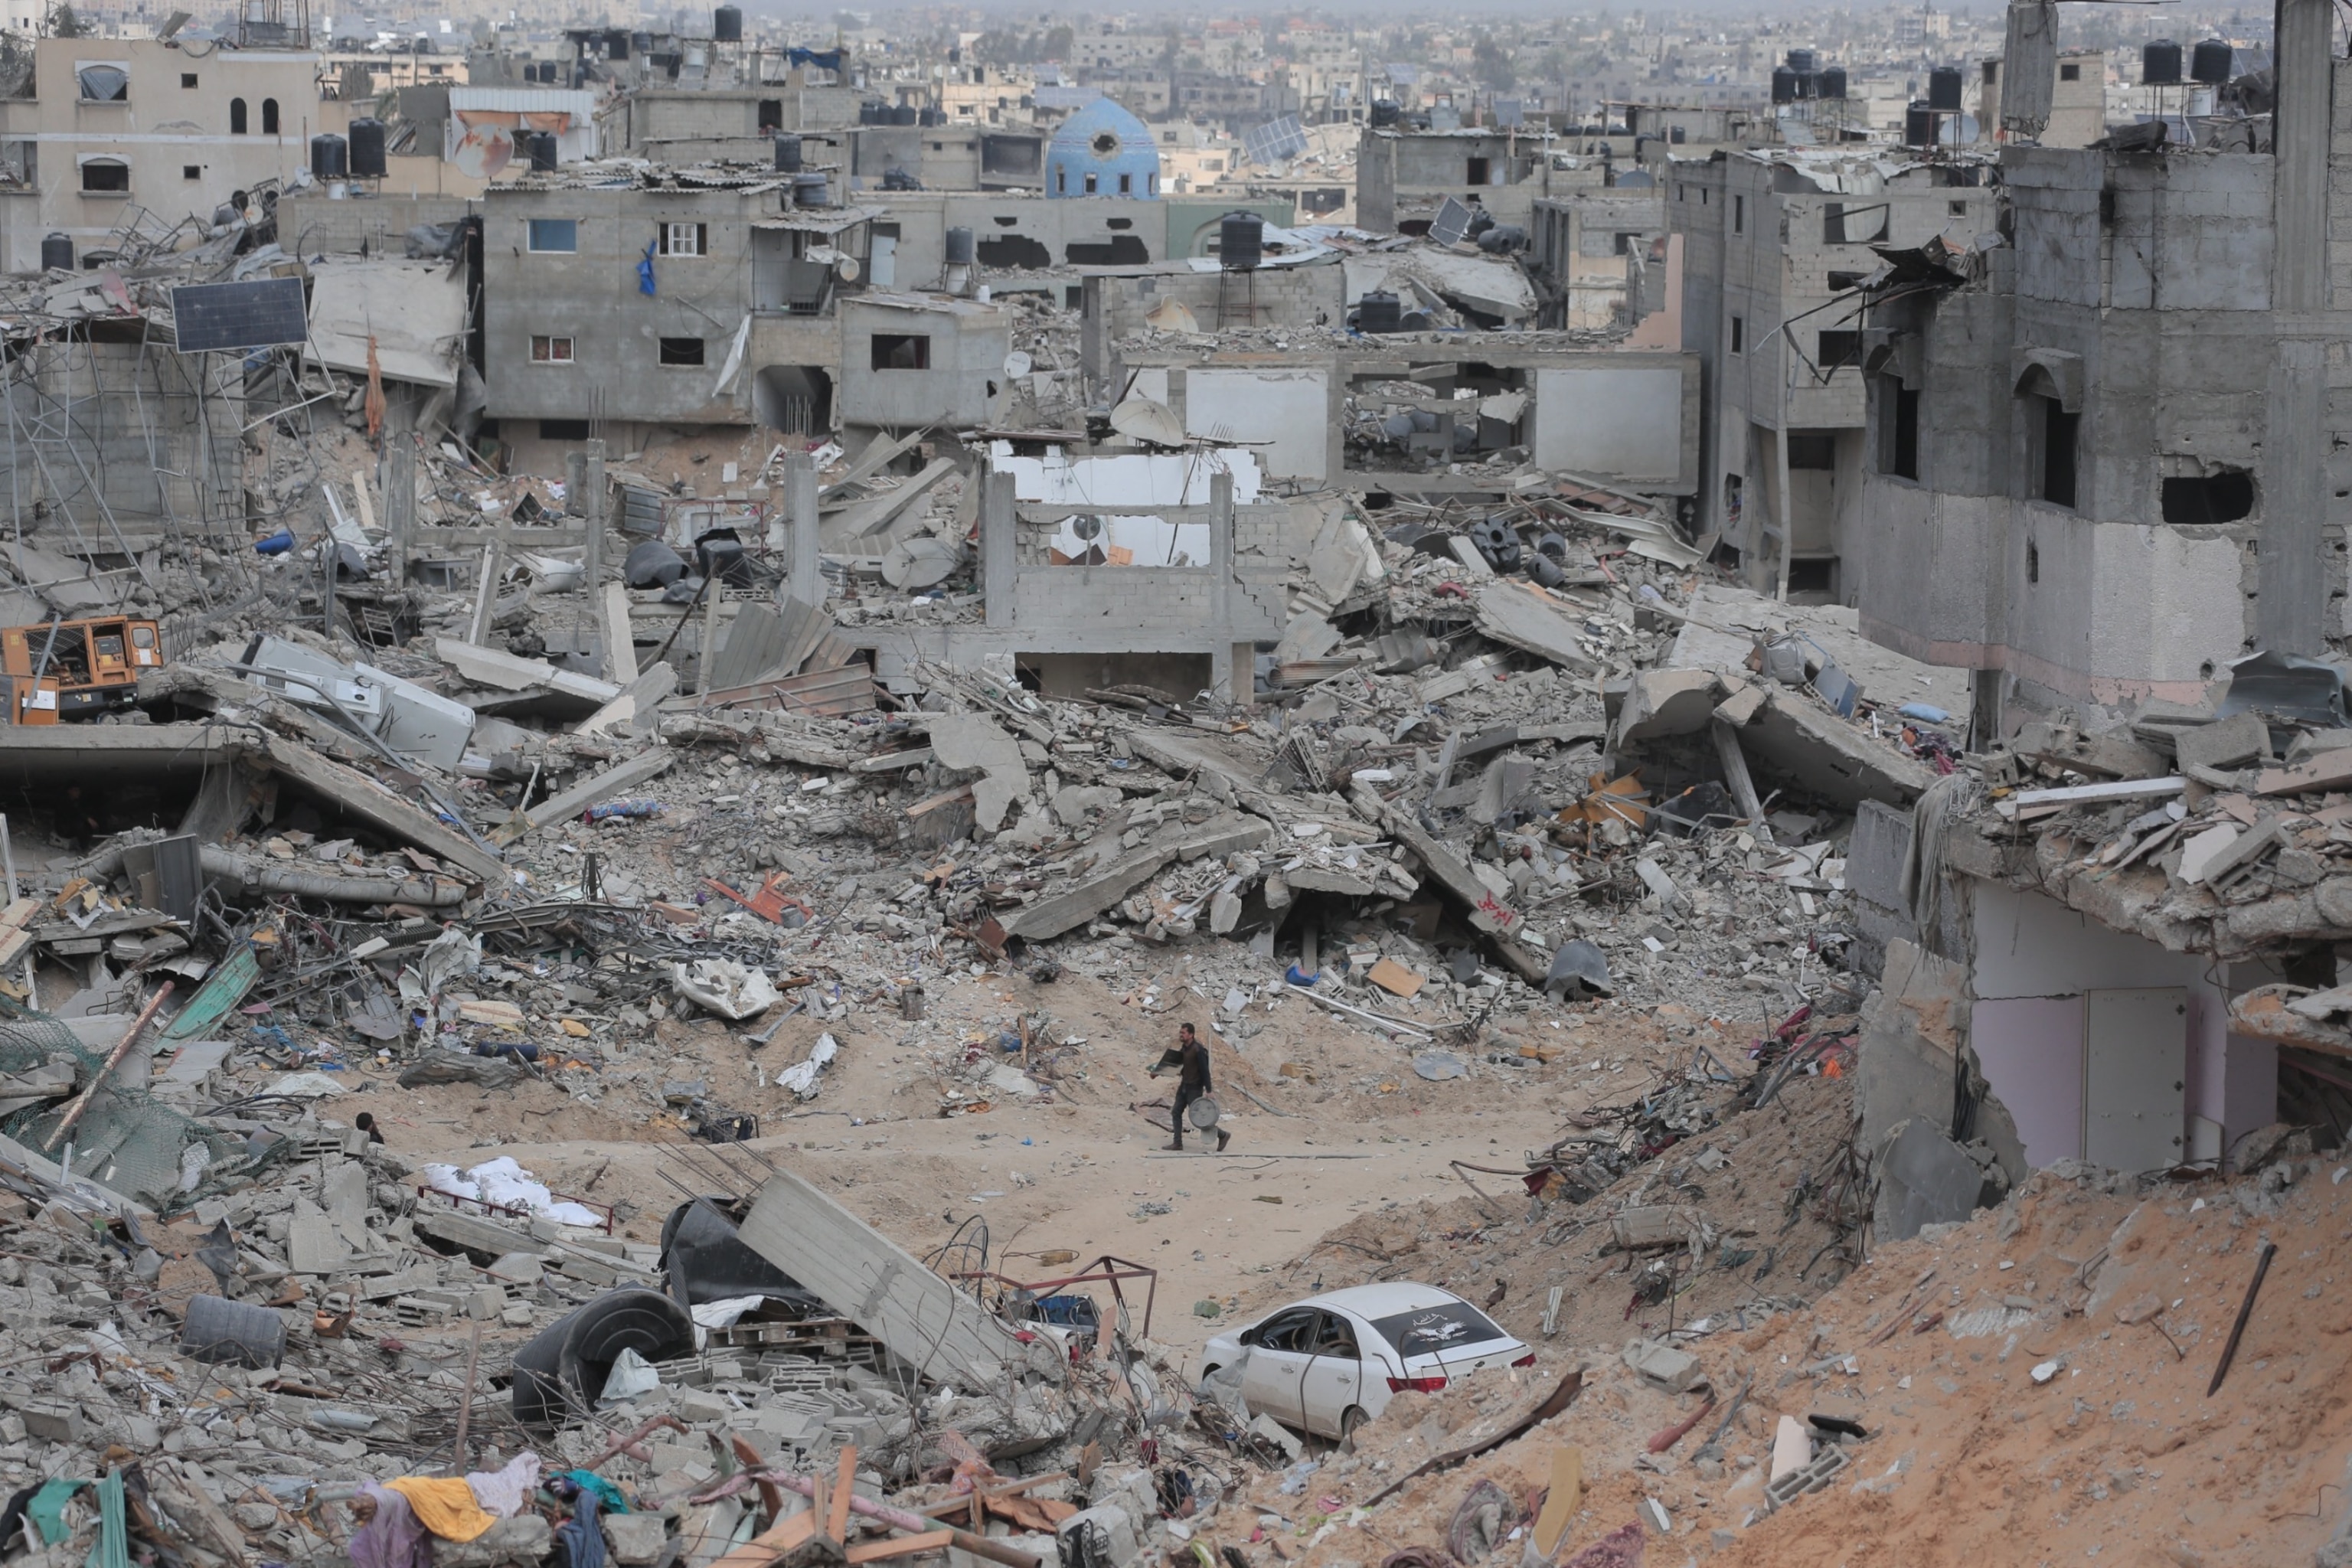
{"type": "Point", "coordinates": [269, 117]}
{"type": "Point", "coordinates": [237, 117]}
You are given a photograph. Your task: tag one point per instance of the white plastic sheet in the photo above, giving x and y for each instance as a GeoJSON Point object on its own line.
{"type": "Point", "coordinates": [502, 1181]}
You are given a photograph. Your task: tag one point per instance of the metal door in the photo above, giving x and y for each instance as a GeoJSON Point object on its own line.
{"type": "Point", "coordinates": [2135, 1068]}
{"type": "Point", "coordinates": [1335, 1377]}
{"type": "Point", "coordinates": [1277, 1362]}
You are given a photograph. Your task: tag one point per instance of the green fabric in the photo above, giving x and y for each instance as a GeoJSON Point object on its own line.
{"type": "Point", "coordinates": [48, 1508]}
{"type": "Point", "coordinates": [113, 1548]}
{"type": "Point", "coordinates": [606, 1492]}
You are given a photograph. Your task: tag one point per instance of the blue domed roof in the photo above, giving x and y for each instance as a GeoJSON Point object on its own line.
{"type": "Point", "coordinates": [1102, 151]}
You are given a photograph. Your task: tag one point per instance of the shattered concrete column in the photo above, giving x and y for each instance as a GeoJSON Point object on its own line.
{"type": "Point", "coordinates": [399, 505]}
{"type": "Point", "coordinates": [2292, 602]}
{"type": "Point", "coordinates": [999, 537]}
{"type": "Point", "coordinates": [1225, 674]}
{"type": "Point", "coordinates": [806, 581]}
{"type": "Point", "coordinates": [591, 507]}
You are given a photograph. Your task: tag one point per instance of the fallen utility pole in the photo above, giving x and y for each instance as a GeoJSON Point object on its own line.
{"type": "Point", "coordinates": [2245, 1310]}
{"type": "Point", "coordinates": [137, 1027]}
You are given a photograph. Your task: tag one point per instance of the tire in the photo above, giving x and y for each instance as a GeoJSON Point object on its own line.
{"type": "Point", "coordinates": [1351, 1420]}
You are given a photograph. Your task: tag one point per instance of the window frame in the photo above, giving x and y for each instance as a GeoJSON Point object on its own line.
{"type": "Point", "coordinates": [530, 236]}
{"type": "Point", "coordinates": [81, 88]}
{"type": "Point", "coordinates": [877, 354]}
{"type": "Point", "coordinates": [1739, 336]}
{"type": "Point", "coordinates": [671, 232]}
{"type": "Point", "coordinates": [102, 161]}
{"type": "Point", "coordinates": [553, 360]}
{"type": "Point", "coordinates": [663, 351]}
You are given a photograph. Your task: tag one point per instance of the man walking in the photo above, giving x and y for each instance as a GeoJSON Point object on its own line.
{"type": "Point", "coordinates": [1191, 1058]}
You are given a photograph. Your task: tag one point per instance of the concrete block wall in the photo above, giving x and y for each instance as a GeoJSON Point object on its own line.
{"type": "Point", "coordinates": [310, 224]}
{"type": "Point", "coordinates": [1116, 303]}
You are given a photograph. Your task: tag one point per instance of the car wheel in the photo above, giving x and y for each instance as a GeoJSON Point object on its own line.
{"type": "Point", "coordinates": [1350, 1420]}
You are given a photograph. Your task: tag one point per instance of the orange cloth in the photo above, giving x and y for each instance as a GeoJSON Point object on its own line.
{"type": "Point", "coordinates": [443, 1505]}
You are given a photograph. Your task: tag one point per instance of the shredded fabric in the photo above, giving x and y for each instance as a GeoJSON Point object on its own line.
{"type": "Point", "coordinates": [580, 1540]}
{"type": "Point", "coordinates": [445, 1505]}
{"type": "Point", "coordinates": [393, 1539]}
{"type": "Point", "coordinates": [503, 1493]}
{"type": "Point", "coordinates": [113, 1548]}
{"type": "Point", "coordinates": [46, 1509]}
{"type": "Point", "coordinates": [607, 1494]}
{"type": "Point", "coordinates": [504, 1181]}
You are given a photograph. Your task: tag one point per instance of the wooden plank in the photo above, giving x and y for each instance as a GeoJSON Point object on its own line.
{"type": "Point", "coordinates": [900, 1546]}
{"type": "Point", "coordinates": [845, 1486]}
{"type": "Point", "coordinates": [864, 1276]}
{"type": "Point", "coordinates": [1561, 1502]}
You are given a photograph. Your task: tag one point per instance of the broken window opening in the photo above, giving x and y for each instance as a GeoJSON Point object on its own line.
{"type": "Point", "coordinates": [269, 117]}
{"type": "Point", "coordinates": [1838, 347]}
{"type": "Point", "coordinates": [1812, 450]}
{"type": "Point", "coordinates": [106, 176]}
{"type": "Point", "coordinates": [2205, 499]}
{"type": "Point", "coordinates": [1815, 577]}
{"type": "Point", "coordinates": [1740, 214]}
{"type": "Point", "coordinates": [1899, 430]}
{"type": "Point", "coordinates": [237, 117]}
{"type": "Point", "coordinates": [681, 353]}
{"type": "Point", "coordinates": [1739, 334]}
{"type": "Point", "coordinates": [1477, 172]}
{"type": "Point", "coordinates": [563, 429]}
{"type": "Point", "coordinates": [1841, 225]}
{"type": "Point", "coordinates": [901, 351]}
{"type": "Point", "coordinates": [104, 84]}
{"type": "Point", "coordinates": [2060, 431]}
{"type": "Point", "coordinates": [2070, 73]}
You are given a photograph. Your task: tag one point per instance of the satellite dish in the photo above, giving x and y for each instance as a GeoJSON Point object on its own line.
{"type": "Point", "coordinates": [1017, 364]}
{"type": "Point", "coordinates": [1087, 528]}
{"type": "Point", "coordinates": [1142, 419]}
{"type": "Point", "coordinates": [482, 152]}
{"type": "Point", "coordinates": [846, 269]}
{"type": "Point", "coordinates": [919, 563]}
{"type": "Point", "coordinates": [254, 214]}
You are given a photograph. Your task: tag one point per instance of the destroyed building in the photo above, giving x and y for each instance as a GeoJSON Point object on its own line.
{"type": "Point", "coordinates": [1775, 243]}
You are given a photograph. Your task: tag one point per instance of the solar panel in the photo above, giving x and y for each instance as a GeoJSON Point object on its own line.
{"type": "Point", "coordinates": [1273, 141]}
{"type": "Point", "coordinates": [256, 315]}
{"type": "Point", "coordinates": [1451, 224]}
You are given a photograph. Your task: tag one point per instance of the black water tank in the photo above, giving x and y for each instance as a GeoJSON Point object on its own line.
{"type": "Point", "coordinates": [1832, 83]}
{"type": "Point", "coordinates": [872, 114]}
{"type": "Point", "coordinates": [330, 156]}
{"type": "Point", "coordinates": [1944, 90]}
{"type": "Point", "coordinates": [932, 117]}
{"type": "Point", "coordinates": [543, 151]}
{"type": "Point", "coordinates": [1784, 84]}
{"type": "Point", "coordinates": [1385, 110]}
{"type": "Point", "coordinates": [1918, 125]}
{"type": "Point", "coordinates": [905, 114]}
{"type": "Point", "coordinates": [1804, 62]}
{"type": "Point", "coordinates": [2210, 62]}
{"type": "Point", "coordinates": [1502, 237]}
{"type": "Point", "coordinates": [367, 149]}
{"type": "Point", "coordinates": [809, 190]}
{"type": "Point", "coordinates": [788, 155]}
{"type": "Point", "coordinates": [56, 253]}
{"type": "Point", "coordinates": [1378, 312]}
{"type": "Point", "coordinates": [640, 43]}
{"type": "Point", "coordinates": [2159, 63]}
{"type": "Point", "coordinates": [1241, 241]}
{"type": "Point", "coordinates": [727, 24]}
{"type": "Point", "coordinates": [959, 247]}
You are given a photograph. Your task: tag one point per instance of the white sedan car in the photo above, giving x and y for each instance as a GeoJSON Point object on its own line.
{"type": "Point", "coordinates": [1333, 1361]}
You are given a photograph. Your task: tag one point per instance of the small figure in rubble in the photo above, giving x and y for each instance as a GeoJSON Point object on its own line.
{"type": "Point", "coordinates": [1191, 1058]}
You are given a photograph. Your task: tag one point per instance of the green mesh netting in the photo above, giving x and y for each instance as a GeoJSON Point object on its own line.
{"type": "Point", "coordinates": [127, 1141]}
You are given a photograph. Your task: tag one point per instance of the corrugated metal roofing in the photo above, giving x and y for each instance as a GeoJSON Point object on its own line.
{"type": "Point", "coordinates": [580, 105]}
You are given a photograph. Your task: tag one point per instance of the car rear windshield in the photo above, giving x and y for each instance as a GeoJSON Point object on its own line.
{"type": "Point", "coordinates": [1428, 1331]}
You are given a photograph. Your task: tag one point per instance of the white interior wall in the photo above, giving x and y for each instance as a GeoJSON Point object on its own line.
{"type": "Point", "coordinates": [1618, 424]}
{"type": "Point", "coordinates": [1283, 415]}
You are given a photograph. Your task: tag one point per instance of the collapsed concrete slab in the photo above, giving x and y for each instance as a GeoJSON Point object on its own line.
{"type": "Point", "coordinates": [1221, 835]}
{"type": "Point", "coordinates": [868, 1279]}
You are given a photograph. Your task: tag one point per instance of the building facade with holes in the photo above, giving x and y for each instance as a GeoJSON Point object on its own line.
{"type": "Point", "coordinates": [700, 298]}
{"type": "Point", "coordinates": [1775, 243]}
{"type": "Point", "coordinates": [141, 135]}
{"type": "Point", "coordinates": [1103, 151]}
